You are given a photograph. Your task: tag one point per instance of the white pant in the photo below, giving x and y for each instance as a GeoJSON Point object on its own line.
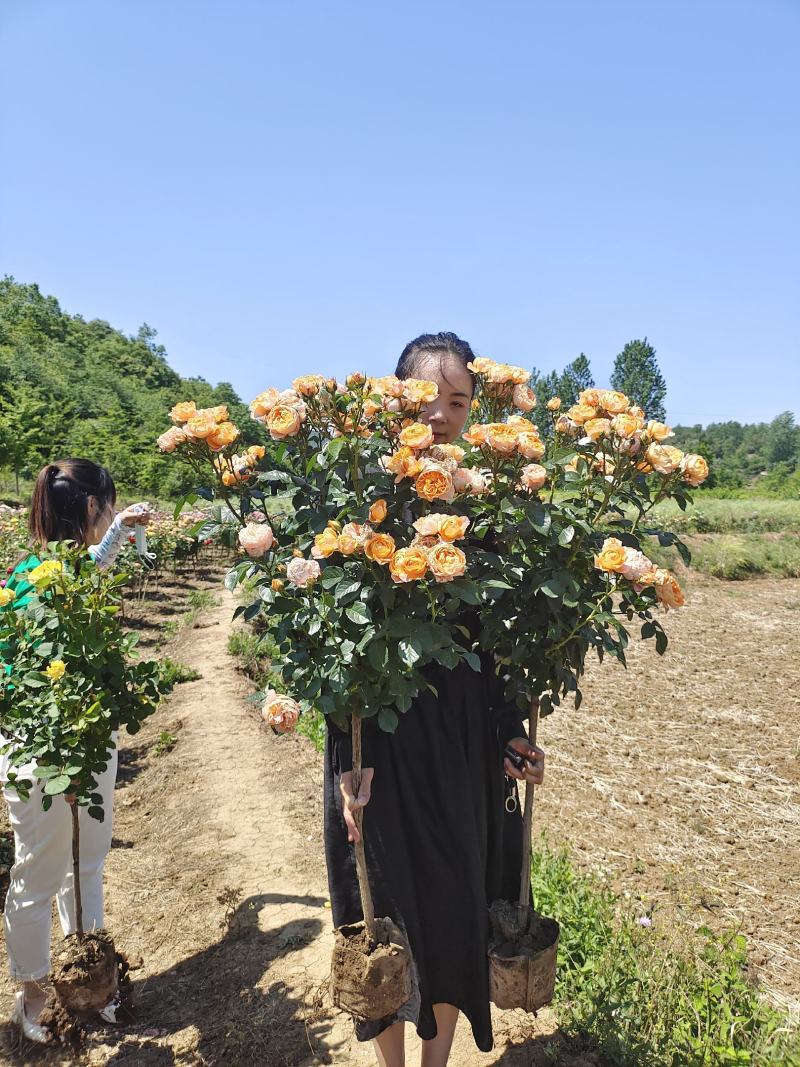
{"type": "Point", "coordinates": [43, 869]}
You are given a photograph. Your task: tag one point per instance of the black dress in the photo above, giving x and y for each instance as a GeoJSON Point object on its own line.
{"type": "Point", "coordinates": [440, 844]}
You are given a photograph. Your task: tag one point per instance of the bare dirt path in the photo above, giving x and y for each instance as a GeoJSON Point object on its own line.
{"type": "Point", "coordinates": [216, 890]}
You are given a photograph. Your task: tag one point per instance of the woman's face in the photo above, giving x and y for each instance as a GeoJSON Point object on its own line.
{"type": "Point", "coordinates": [100, 518]}
{"type": "Point", "coordinates": [448, 413]}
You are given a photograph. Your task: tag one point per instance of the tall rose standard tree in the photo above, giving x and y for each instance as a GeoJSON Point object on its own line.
{"type": "Point", "coordinates": [70, 682]}
{"type": "Point", "coordinates": [364, 582]}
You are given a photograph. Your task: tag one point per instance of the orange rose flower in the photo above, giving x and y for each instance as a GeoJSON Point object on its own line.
{"type": "Point", "coordinates": [476, 434]}
{"type": "Point", "coordinates": [664, 459]}
{"type": "Point", "coordinates": [597, 428]}
{"type": "Point", "coordinates": [264, 403]}
{"type": "Point", "coordinates": [408, 564]}
{"type": "Point", "coordinates": [380, 548]}
{"type": "Point", "coordinates": [221, 436]}
{"type": "Point", "coordinates": [377, 512]}
{"type": "Point", "coordinates": [434, 483]}
{"type": "Point", "coordinates": [417, 436]}
{"type": "Point", "coordinates": [502, 438]}
{"type": "Point", "coordinates": [554, 403]}
{"type": "Point", "coordinates": [283, 421]}
{"type": "Point", "coordinates": [613, 402]}
{"type": "Point", "coordinates": [658, 431]}
{"type": "Point", "coordinates": [530, 445]}
{"type": "Point", "coordinates": [200, 426]}
{"type": "Point", "coordinates": [581, 413]}
{"type": "Point", "coordinates": [308, 384]}
{"type": "Point", "coordinates": [626, 425]}
{"type": "Point", "coordinates": [524, 398]}
{"type": "Point", "coordinates": [184, 411]}
{"type": "Point", "coordinates": [453, 527]}
{"type": "Point", "coordinates": [446, 562]}
{"type": "Point", "coordinates": [694, 469]}
{"type": "Point", "coordinates": [417, 391]}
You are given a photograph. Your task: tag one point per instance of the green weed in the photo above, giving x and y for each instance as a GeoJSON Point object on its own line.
{"type": "Point", "coordinates": [173, 673]}
{"type": "Point", "coordinates": [644, 999]}
{"type": "Point", "coordinates": [165, 743]}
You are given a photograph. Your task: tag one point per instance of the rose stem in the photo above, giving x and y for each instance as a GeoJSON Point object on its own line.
{"type": "Point", "coordinates": [76, 871]}
{"type": "Point", "coordinates": [367, 906]}
{"type": "Point", "coordinates": [527, 827]}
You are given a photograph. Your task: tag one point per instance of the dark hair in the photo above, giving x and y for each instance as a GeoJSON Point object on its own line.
{"type": "Point", "coordinates": [429, 345]}
{"type": "Point", "coordinates": [60, 502]}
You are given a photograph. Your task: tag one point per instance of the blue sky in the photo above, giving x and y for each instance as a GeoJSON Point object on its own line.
{"type": "Point", "coordinates": [284, 187]}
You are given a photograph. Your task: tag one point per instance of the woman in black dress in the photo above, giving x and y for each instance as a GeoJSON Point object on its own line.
{"type": "Point", "coordinates": [441, 845]}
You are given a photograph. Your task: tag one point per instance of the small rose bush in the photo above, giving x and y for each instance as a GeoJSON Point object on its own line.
{"type": "Point", "coordinates": [69, 676]}
{"type": "Point", "coordinates": [397, 551]}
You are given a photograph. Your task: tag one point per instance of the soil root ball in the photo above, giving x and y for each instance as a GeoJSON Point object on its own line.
{"type": "Point", "coordinates": [370, 985]}
{"type": "Point", "coordinates": [84, 972]}
{"type": "Point", "coordinates": [522, 957]}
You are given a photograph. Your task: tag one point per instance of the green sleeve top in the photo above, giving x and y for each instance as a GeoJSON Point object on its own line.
{"type": "Point", "coordinates": [23, 588]}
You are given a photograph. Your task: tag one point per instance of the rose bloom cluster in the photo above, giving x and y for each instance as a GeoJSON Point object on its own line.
{"type": "Point", "coordinates": [607, 418]}
{"type": "Point", "coordinates": [432, 551]}
{"type": "Point", "coordinates": [614, 558]}
{"type": "Point", "coordinates": [317, 399]}
{"type": "Point", "coordinates": [210, 426]}
{"type": "Point", "coordinates": [236, 469]}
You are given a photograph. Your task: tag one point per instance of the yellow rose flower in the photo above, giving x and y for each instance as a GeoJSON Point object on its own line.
{"type": "Point", "coordinates": [46, 573]}
{"type": "Point", "coordinates": [434, 483]}
{"type": "Point", "coordinates": [229, 478]}
{"type": "Point", "coordinates": [171, 438]}
{"type": "Point", "coordinates": [283, 421]}
{"type": "Point", "coordinates": [626, 425]}
{"type": "Point", "coordinates": [611, 557]}
{"type": "Point", "coordinates": [637, 412]}
{"type": "Point", "coordinates": [380, 548]}
{"type": "Point", "coordinates": [417, 436]}
{"type": "Point", "coordinates": [264, 403]}
{"type": "Point", "coordinates": [200, 426]}
{"type": "Point", "coordinates": [597, 428]}
{"type": "Point", "coordinates": [403, 464]}
{"type": "Point", "coordinates": [276, 585]}
{"type": "Point", "coordinates": [221, 436]}
{"type": "Point", "coordinates": [590, 397]}
{"type": "Point", "coordinates": [566, 425]}
{"type": "Point", "coordinates": [581, 413]}
{"type": "Point", "coordinates": [254, 454]}
{"type": "Point", "coordinates": [453, 527]}
{"type": "Point", "coordinates": [694, 469]}
{"type": "Point", "coordinates": [663, 458]}
{"type": "Point", "coordinates": [325, 544]}
{"type": "Point", "coordinates": [417, 391]}
{"type": "Point", "coordinates": [502, 438]}
{"type": "Point", "coordinates": [6, 596]}
{"type": "Point", "coordinates": [481, 365]}
{"type": "Point", "coordinates": [184, 411]}
{"type": "Point", "coordinates": [389, 385]}
{"type": "Point", "coordinates": [219, 413]}
{"type": "Point", "coordinates": [613, 402]}
{"type": "Point", "coordinates": [348, 545]}
{"type": "Point", "coordinates": [377, 512]}
{"type": "Point", "coordinates": [476, 434]}
{"type": "Point", "coordinates": [308, 384]}
{"type": "Point", "coordinates": [56, 670]}
{"type": "Point", "coordinates": [658, 431]}
{"type": "Point", "coordinates": [530, 445]}
{"type": "Point", "coordinates": [554, 403]}
{"type": "Point", "coordinates": [446, 562]}
{"type": "Point", "coordinates": [408, 564]}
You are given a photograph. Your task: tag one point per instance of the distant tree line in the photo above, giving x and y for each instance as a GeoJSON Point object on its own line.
{"type": "Point", "coordinates": [72, 387]}
{"type": "Point", "coordinates": [762, 457]}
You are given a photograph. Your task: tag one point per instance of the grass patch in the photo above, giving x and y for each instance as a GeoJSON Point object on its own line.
{"type": "Point", "coordinates": [748, 516]}
{"type": "Point", "coordinates": [738, 556]}
{"type": "Point", "coordinates": [644, 999]}
{"type": "Point", "coordinates": [201, 600]}
{"type": "Point", "coordinates": [173, 673]}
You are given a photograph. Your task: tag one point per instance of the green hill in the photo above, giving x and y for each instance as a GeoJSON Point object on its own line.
{"type": "Point", "coordinates": [72, 387]}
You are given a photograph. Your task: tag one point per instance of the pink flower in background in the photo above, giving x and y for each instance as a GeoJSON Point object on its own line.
{"type": "Point", "coordinates": [302, 572]}
{"type": "Point", "coordinates": [256, 538]}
